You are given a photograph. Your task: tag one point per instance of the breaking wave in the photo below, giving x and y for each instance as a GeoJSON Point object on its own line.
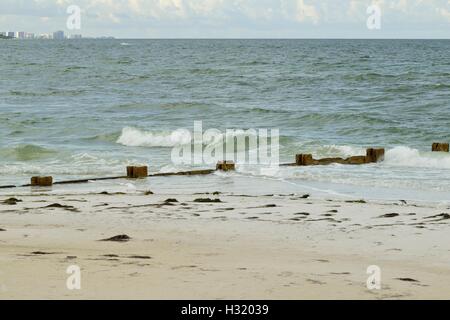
{"type": "Point", "coordinates": [408, 157]}
{"type": "Point", "coordinates": [133, 137]}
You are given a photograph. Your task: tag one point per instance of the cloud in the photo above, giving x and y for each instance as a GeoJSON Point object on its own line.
{"type": "Point", "coordinates": [306, 12]}
{"type": "Point", "coordinates": [445, 13]}
{"type": "Point", "coordinates": [228, 17]}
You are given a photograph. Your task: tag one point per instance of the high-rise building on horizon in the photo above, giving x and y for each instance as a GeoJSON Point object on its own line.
{"type": "Point", "coordinates": [58, 35]}
{"type": "Point", "coordinates": [45, 36]}
{"type": "Point", "coordinates": [11, 34]}
{"type": "Point", "coordinates": [21, 35]}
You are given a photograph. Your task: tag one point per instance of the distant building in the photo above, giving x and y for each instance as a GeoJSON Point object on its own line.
{"type": "Point", "coordinates": [58, 35]}
{"type": "Point", "coordinates": [11, 34]}
{"type": "Point", "coordinates": [76, 36]}
{"type": "Point", "coordinates": [45, 36]}
{"type": "Point", "coordinates": [30, 36]}
{"type": "Point", "coordinates": [2, 33]}
{"type": "Point", "coordinates": [21, 35]}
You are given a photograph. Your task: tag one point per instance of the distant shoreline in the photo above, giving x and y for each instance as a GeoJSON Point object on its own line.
{"type": "Point", "coordinates": [246, 39]}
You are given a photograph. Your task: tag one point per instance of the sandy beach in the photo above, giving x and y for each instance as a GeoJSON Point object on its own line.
{"type": "Point", "coordinates": [220, 246]}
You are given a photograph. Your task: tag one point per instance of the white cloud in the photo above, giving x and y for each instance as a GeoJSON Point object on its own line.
{"type": "Point", "coordinates": [248, 16]}
{"type": "Point", "coordinates": [306, 12]}
{"type": "Point", "coordinates": [445, 13]}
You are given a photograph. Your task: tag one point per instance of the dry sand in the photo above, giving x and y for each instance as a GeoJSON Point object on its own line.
{"type": "Point", "coordinates": [245, 247]}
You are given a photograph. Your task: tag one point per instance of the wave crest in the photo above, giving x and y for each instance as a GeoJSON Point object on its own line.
{"type": "Point", "coordinates": [408, 157]}
{"type": "Point", "coordinates": [133, 137]}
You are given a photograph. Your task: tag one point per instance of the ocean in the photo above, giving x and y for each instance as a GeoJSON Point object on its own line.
{"type": "Point", "coordinates": [87, 108]}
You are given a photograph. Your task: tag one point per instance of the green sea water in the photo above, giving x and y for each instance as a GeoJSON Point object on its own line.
{"type": "Point", "coordinates": [86, 108]}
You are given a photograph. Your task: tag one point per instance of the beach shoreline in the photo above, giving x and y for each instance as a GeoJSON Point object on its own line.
{"type": "Point", "coordinates": [191, 246]}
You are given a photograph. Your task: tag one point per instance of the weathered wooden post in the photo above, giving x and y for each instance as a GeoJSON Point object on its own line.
{"type": "Point", "coordinates": [374, 155]}
{"type": "Point", "coordinates": [356, 160]}
{"type": "Point", "coordinates": [134, 172]}
{"type": "Point", "coordinates": [226, 166]}
{"type": "Point", "coordinates": [440, 147]}
{"type": "Point", "coordinates": [304, 160]}
{"type": "Point", "coordinates": [41, 181]}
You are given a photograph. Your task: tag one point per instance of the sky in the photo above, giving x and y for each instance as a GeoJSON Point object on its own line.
{"type": "Point", "coordinates": [232, 18]}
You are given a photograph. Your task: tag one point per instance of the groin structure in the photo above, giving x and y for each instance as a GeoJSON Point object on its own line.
{"type": "Point", "coordinates": [373, 155]}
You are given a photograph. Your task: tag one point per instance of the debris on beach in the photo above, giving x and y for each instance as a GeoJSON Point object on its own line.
{"type": "Point", "coordinates": [41, 253]}
{"type": "Point", "coordinates": [407, 280]}
{"type": "Point", "coordinates": [302, 213]}
{"type": "Point", "coordinates": [118, 238]}
{"type": "Point", "coordinates": [207, 200]}
{"type": "Point", "coordinates": [264, 206]}
{"type": "Point", "coordinates": [355, 201]}
{"type": "Point", "coordinates": [139, 257]}
{"type": "Point", "coordinates": [57, 205]}
{"type": "Point", "coordinates": [60, 206]}
{"type": "Point", "coordinates": [442, 216]}
{"type": "Point", "coordinates": [389, 215]}
{"type": "Point", "coordinates": [12, 201]}
{"type": "Point", "coordinates": [168, 202]}
{"type": "Point", "coordinates": [106, 193]}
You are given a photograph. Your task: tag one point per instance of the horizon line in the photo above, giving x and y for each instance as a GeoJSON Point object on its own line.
{"type": "Point", "coordinates": [250, 38]}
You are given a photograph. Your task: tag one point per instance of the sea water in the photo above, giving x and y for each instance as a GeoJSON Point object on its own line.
{"type": "Point", "coordinates": [87, 108]}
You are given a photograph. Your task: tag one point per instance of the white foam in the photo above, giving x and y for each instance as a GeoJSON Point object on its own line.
{"type": "Point", "coordinates": [408, 157]}
{"type": "Point", "coordinates": [331, 150]}
{"type": "Point", "coordinates": [134, 137]}
{"type": "Point", "coordinates": [340, 151]}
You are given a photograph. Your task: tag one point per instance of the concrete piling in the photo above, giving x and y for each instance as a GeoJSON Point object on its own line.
{"type": "Point", "coordinates": [41, 181]}
{"type": "Point", "coordinates": [440, 147]}
{"type": "Point", "coordinates": [226, 166]}
{"type": "Point", "coordinates": [357, 160]}
{"type": "Point", "coordinates": [135, 172]}
{"type": "Point", "coordinates": [372, 155]}
{"type": "Point", "coordinates": [304, 160]}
